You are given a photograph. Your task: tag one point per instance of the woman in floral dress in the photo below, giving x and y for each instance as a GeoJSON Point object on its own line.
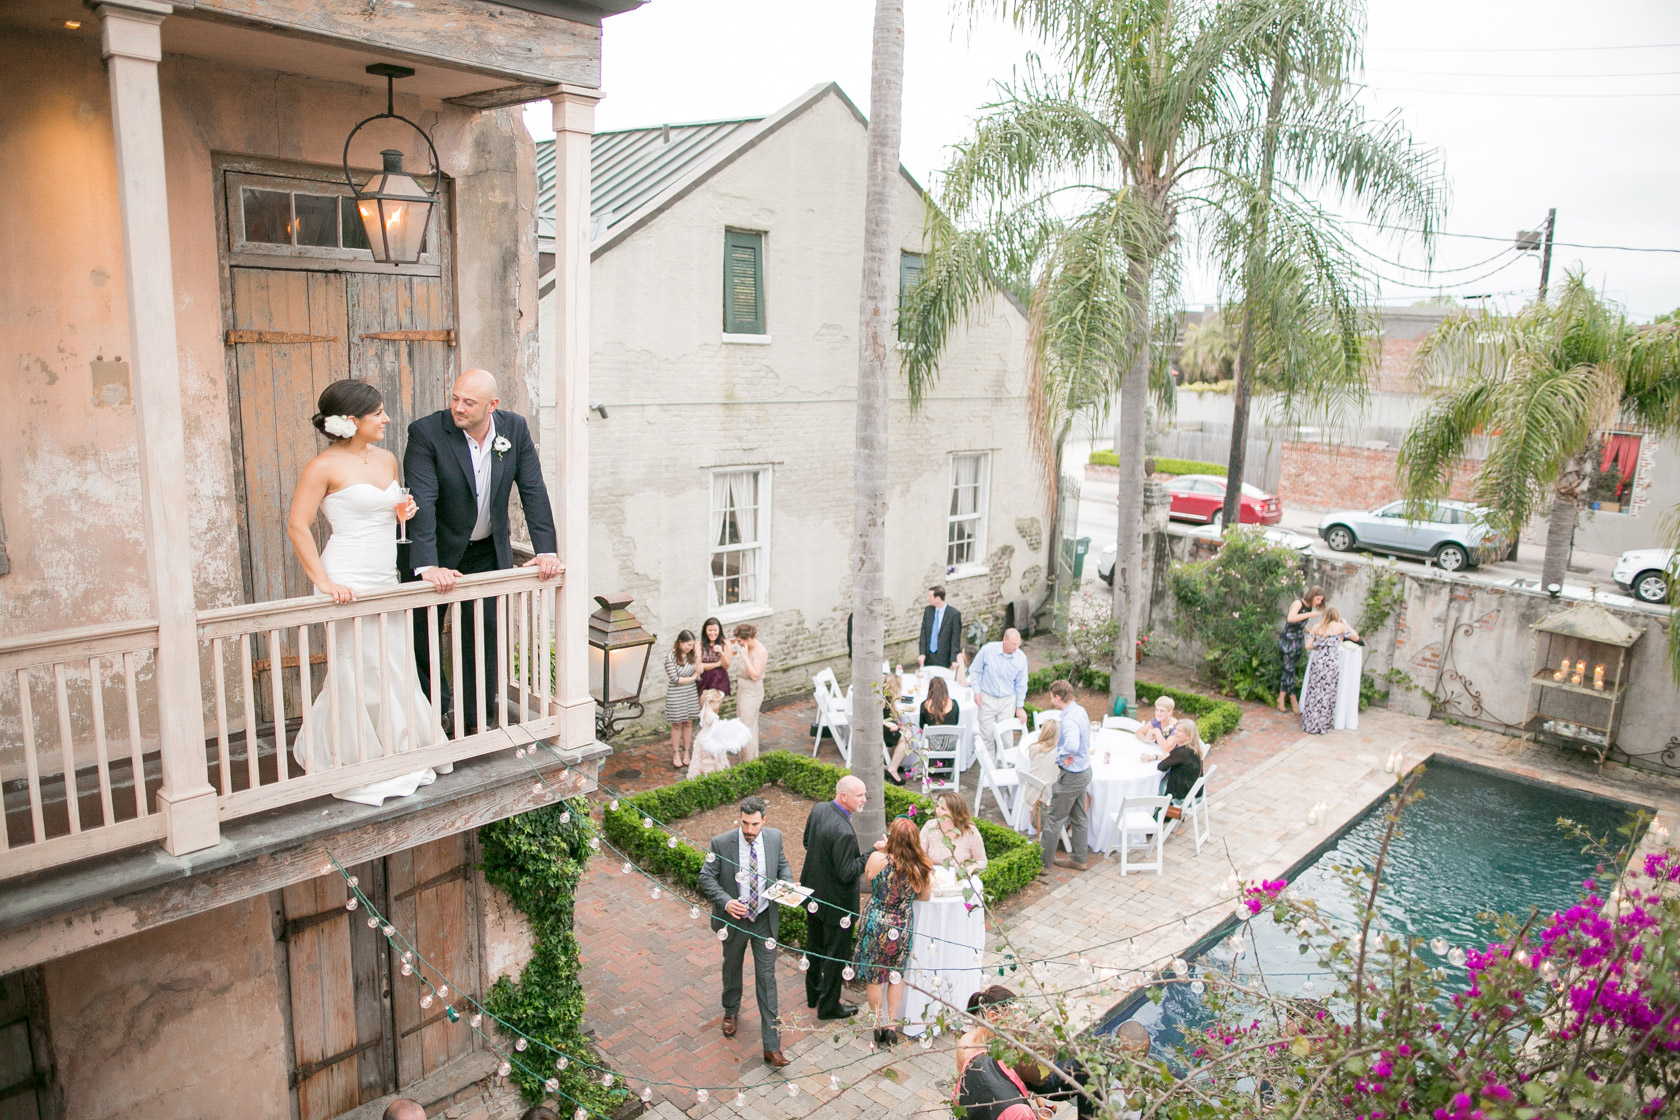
{"type": "Point", "coordinates": [1324, 670]}
{"type": "Point", "coordinates": [899, 873]}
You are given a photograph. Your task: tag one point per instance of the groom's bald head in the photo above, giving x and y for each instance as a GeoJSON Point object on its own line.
{"type": "Point", "coordinates": [472, 399]}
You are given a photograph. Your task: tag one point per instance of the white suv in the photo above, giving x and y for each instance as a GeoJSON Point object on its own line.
{"type": "Point", "coordinates": [1645, 573]}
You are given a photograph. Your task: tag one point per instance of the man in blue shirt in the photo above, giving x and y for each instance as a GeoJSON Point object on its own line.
{"type": "Point", "coordinates": [999, 679]}
{"type": "Point", "coordinates": [941, 635]}
{"type": "Point", "coordinates": [1067, 800]}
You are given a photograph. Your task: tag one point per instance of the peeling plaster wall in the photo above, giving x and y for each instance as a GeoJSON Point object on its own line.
{"type": "Point", "coordinates": [680, 401]}
{"type": "Point", "coordinates": [180, 1021]}
{"type": "Point", "coordinates": [69, 479]}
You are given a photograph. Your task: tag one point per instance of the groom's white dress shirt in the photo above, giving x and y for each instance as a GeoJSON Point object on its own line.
{"type": "Point", "coordinates": [481, 460]}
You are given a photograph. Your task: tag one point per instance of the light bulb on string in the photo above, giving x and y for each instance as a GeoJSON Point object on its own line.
{"type": "Point", "coordinates": [845, 921]}
{"type": "Point", "coordinates": [740, 1100]}
{"type": "Point", "coordinates": [477, 1020]}
{"type": "Point", "coordinates": [536, 787]}
{"type": "Point", "coordinates": [793, 1088]}
{"type": "Point", "coordinates": [892, 935]}
{"type": "Point", "coordinates": [351, 903]}
{"type": "Point", "coordinates": [895, 977]}
{"type": "Point", "coordinates": [647, 822]}
{"type": "Point", "coordinates": [580, 1113]}
{"type": "Point", "coordinates": [624, 869]}
{"type": "Point", "coordinates": [811, 906]}
{"type": "Point", "coordinates": [723, 934]}
{"type": "Point", "coordinates": [1198, 987]}
{"type": "Point", "coordinates": [1438, 946]}
{"type": "Point", "coordinates": [595, 843]}
{"type": "Point", "coordinates": [646, 1094]}
{"type": "Point", "coordinates": [770, 943]}
{"type": "Point", "coordinates": [373, 921]}
{"type": "Point", "coordinates": [701, 1095]}
{"type": "Point", "coordinates": [847, 973]}
{"type": "Point", "coordinates": [1456, 956]}
{"type": "Point", "coordinates": [671, 843]}
{"type": "Point", "coordinates": [503, 1070]}
{"type": "Point", "coordinates": [520, 1044]}
{"type": "Point", "coordinates": [804, 964]}
{"type": "Point", "coordinates": [613, 804]}
{"type": "Point", "coordinates": [426, 1000]}
{"type": "Point", "coordinates": [562, 1062]}
{"type": "Point", "coordinates": [443, 991]}
{"type": "Point", "coordinates": [655, 892]}
{"type": "Point", "coordinates": [606, 1081]}
{"type": "Point", "coordinates": [694, 911]}
{"type": "Point", "coordinates": [552, 1084]}
{"type": "Point", "coordinates": [387, 930]}
{"type": "Point", "coordinates": [407, 969]}
{"type": "Point", "coordinates": [1307, 985]}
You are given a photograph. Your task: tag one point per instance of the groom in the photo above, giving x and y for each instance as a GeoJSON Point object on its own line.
{"type": "Point", "coordinates": [460, 465]}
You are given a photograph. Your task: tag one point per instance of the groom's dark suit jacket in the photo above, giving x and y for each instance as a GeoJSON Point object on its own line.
{"type": "Point", "coordinates": [438, 469]}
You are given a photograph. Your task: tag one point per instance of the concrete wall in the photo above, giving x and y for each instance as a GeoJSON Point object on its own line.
{"type": "Point", "coordinates": [680, 400]}
{"type": "Point", "coordinates": [69, 479]}
{"type": "Point", "coordinates": [1465, 648]}
{"type": "Point", "coordinates": [179, 1022]}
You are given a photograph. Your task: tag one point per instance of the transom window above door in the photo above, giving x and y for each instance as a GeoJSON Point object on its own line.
{"type": "Point", "coordinates": [308, 221]}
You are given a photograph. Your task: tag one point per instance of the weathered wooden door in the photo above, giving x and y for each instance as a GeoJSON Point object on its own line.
{"type": "Point", "coordinates": [339, 974]}
{"type": "Point", "coordinates": [432, 893]}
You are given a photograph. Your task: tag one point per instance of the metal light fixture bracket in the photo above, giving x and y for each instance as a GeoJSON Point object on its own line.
{"type": "Point", "coordinates": [391, 72]}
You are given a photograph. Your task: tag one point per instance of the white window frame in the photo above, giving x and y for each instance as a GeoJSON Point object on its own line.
{"type": "Point", "coordinates": [760, 606]}
{"type": "Point", "coordinates": [981, 516]}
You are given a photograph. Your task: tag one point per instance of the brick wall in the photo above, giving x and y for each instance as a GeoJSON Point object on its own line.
{"type": "Point", "coordinates": [1330, 476]}
{"type": "Point", "coordinates": [1394, 368]}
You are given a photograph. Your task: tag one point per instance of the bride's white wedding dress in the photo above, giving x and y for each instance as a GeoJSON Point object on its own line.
{"type": "Point", "coordinates": [361, 554]}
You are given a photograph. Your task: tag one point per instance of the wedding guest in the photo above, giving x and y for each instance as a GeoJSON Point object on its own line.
{"type": "Point", "coordinates": [986, 1089]}
{"type": "Point", "coordinates": [749, 685]}
{"type": "Point", "coordinates": [959, 668]}
{"type": "Point", "coordinates": [539, 1112]}
{"type": "Point", "coordinates": [941, 630]}
{"type": "Point", "coordinates": [892, 724]}
{"type": "Point", "coordinates": [832, 866]}
{"type": "Point", "coordinates": [404, 1109]}
{"type": "Point", "coordinates": [1293, 640]}
{"type": "Point", "coordinates": [1159, 727]}
{"type": "Point", "coordinates": [1067, 799]}
{"type": "Point", "coordinates": [1181, 765]}
{"type": "Point", "coordinates": [999, 678]}
{"type": "Point", "coordinates": [682, 702]}
{"type": "Point", "coordinates": [938, 710]}
{"type": "Point", "coordinates": [718, 738]}
{"type": "Point", "coordinates": [951, 839]}
{"type": "Point", "coordinates": [715, 658]}
{"type": "Point", "coordinates": [1324, 671]}
{"type": "Point", "coordinates": [898, 874]}
{"type": "Point", "coordinates": [1041, 764]}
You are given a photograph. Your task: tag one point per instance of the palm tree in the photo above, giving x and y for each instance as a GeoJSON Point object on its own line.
{"type": "Point", "coordinates": [1540, 384]}
{"type": "Point", "coordinates": [869, 502]}
{"type": "Point", "coordinates": [1303, 331]}
{"type": "Point", "coordinates": [1208, 352]}
{"type": "Point", "coordinates": [1073, 187]}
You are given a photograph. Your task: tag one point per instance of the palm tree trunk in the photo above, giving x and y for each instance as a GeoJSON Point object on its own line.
{"type": "Point", "coordinates": [1243, 389]}
{"type": "Point", "coordinates": [1560, 539]}
{"type": "Point", "coordinates": [1129, 590]}
{"type": "Point", "coordinates": [886, 93]}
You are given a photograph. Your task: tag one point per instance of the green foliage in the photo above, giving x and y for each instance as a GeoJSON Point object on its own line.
{"type": "Point", "coordinates": [1223, 387]}
{"type": "Point", "coordinates": [1369, 693]}
{"type": "Point", "coordinates": [1232, 604]}
{"type": "Point", "coordinates": [537, 860]}
{"type": "Point", "coordinates": [1209, 352]}
{"type": "Point", "coordinates": [1103, 458]}
{"type": "Point", "coordinates": [1382, 599]}
{"type": "Point", "coordinates": [1013, 860]}
{"type": "Point", "coordinates": [1214, 717]}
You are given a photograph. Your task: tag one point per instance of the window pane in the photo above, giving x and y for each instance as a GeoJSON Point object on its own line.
{"type": "Point", "coordinates": [350, 221]}
{"type": "Point", "coordinates": [268, 216]}
{"type": "Point", "coordinates": [317, 219]}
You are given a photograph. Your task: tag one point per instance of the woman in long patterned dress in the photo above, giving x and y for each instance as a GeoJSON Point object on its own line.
{"type": "Point", "coordinates": [899, 874]}
{"type": "Point", "coordinates": [1324, 671]}
{"type": "Point", "coordinates": [1294, 639]}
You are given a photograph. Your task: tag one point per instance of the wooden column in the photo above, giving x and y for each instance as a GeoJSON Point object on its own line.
{"type": "Point", "coordinates": [129, 39]}
{"type": "Point", "coordinates": [574, 127]}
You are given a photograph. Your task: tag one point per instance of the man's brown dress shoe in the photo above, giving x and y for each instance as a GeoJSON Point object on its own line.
{"type": "Point", "coordinates": [776, 1059]}
{"type": "Point", "coordinates": [729, 1024]}
{"type": "Point", "coordinates": [1067, 861]}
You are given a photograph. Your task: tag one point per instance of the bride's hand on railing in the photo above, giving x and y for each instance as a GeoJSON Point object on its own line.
{"type": "Point", "coordinates": [339, 593]}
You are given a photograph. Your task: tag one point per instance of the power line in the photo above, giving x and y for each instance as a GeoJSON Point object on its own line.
{"type": "Point", "coordinates": [1508, 237]}
{"type": "Point", "coordinates": [1500, 93]}
{"type": "Point", "coordinates": [1483, 74]}
{"type": "Point", "coordinates": [1523, 50]}
{"type": "Point", "coordinates": [1460, 283]}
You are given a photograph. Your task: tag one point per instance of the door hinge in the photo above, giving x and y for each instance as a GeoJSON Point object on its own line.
{"type": "Point", "coordinates": [279, 338]}
{"type": "Point", "coordinates": [413, 336]}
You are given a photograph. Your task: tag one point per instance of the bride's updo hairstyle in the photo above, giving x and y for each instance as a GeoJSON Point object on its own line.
{"type": "Point", "coordinates": [349, 397]}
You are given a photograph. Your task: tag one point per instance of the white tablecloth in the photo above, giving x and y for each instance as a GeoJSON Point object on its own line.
{"type": "Point", "coordinates": [968, 714]}
{"type": "Point", "coordinates": [946, 937]}
{"type": "Point", "coordinates": [1122, 775]}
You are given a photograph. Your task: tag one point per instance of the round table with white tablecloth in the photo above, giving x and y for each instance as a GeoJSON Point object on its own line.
{"type": "Point", "coordinates": [945, 943]}
{"type": "Point", "coordinates": [968, 714]}
{"type": "Point", "coordinates": [1117, 772]}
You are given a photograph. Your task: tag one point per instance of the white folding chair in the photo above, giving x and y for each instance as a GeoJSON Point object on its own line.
{"type": "Point", "coordinates": [1003, 781]}
{"type": "Point", "coordinates": [831, 715]}
{"type": "Point", "coordinates": [1196, 809]}
{"type": "Point", "coordinates": [1140, 823]}
{"type": "Point", "coordinates": [1006, 735]}
{"type": "Point", "coordinates": [1120, 723]}
{"type": "Point", "coordinates": [1034, 790]}
{"type": "Point", "coordinates": [939, 749]}
{"type": "Point", "coordinates": [1041, 718]}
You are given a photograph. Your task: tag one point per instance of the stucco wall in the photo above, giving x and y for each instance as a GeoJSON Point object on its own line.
{"type": "Point", "coordinates": [179, 1022]}
{"type": "Point", "coordinates": [69, 480]}
{"type": "Point", "coordinates": [680, 401]}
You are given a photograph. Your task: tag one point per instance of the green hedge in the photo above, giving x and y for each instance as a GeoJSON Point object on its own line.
{"type": "Point", "coordinates": [1162, 466]}
{"type": "Point", "coordinates": [1013, 860]}
{"type": "Point", "coordinates": [1214, 717]}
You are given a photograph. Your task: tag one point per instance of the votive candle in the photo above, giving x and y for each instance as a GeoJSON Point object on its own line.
{"type": "Point", "coordinates": [1580, 671]}
{"type": "Point", "coordinates": [1563, 670]}
{"type": "Point", "coordinates": [1598, 676]}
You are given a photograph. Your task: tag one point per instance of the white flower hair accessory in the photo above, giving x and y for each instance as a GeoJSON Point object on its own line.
{"type": "Point", "coordinates": [339, 427]}
{"type": "Point", "coordinates": [500, 446]}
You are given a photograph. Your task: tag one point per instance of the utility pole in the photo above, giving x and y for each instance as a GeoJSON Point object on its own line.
{"type": "Point", "coordinates": [1546, 252]}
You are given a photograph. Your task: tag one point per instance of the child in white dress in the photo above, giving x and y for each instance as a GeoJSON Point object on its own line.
{"type": "Point", "coordinates": [718, 738]}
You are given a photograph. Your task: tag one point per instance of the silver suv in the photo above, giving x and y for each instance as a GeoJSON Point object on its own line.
{"type": "Point", "coordinates": [1455, 535]}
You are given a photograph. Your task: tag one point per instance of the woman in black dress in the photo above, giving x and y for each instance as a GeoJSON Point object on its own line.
{"type": "Point", "coordinates": [715, 659]}
{"type": "Point", "coordinates": [1294, 639]}
{"type": "Point", "coordinates": [940, 709]}
{"type": "Point", "coordinates": [1182, 764]}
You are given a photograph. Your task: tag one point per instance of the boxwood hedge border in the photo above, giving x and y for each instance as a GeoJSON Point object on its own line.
{"type": "Point", "coordinates": [1013, 860]}
{"type": "Point", "coordinates": [1214, 717]}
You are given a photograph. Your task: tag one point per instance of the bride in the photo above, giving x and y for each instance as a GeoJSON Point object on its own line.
{"type": "Point", "coordinates": [355, 482]}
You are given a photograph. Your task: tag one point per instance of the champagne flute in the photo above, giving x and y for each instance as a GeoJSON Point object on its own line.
{"type": "Point", "coordinates": [402, 522]}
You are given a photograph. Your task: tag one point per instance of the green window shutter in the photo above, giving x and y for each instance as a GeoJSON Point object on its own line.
{"type": "Point", "coordinates": [743, 282]}
{"type": "Point", "coordinates": [909, 271]}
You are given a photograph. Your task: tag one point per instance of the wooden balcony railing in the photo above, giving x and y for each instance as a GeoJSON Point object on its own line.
{"type": "Point", "coordinates": [286, 685]}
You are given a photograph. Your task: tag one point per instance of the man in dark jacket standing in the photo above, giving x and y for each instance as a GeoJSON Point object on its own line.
{"type": "Point", "coordinates": [941, 635]}
{"type": "Point", "coordinates": [832, 866]}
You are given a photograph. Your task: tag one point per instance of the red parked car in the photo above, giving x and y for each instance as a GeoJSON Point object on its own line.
{"type": "Point", "coordinates": [1199, 498]}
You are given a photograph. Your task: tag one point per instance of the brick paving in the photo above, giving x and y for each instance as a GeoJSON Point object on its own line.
{"type": "Point", "coordinates": [651, 973]}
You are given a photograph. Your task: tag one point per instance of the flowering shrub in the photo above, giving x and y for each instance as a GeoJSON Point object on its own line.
{"type": "Point", "coordinates": [1232, 605]}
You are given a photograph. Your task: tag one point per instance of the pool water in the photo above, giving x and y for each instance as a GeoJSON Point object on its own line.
{"type": "Point", "coordinates": [1476, 843]}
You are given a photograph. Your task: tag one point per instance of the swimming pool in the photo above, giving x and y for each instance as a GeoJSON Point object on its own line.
{"type": "Point", "coordinates": [1477, 844]}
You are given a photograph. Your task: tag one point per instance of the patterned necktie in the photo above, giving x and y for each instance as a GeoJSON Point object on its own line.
{"type": "Point", "coordinates": [752, 879]}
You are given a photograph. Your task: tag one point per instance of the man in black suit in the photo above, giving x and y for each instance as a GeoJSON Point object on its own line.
{"type": "Point", "coordinates": [832, 866]}
{"type": "Point", "coordinates": [737, 874]}
{"type": "Point", "coordinates": [941, 631]}
{"type": "Point", "coordinates": [461, 464]}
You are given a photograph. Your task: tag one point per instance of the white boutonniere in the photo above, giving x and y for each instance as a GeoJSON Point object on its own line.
{"type": "Point", "coordinates": [500, 446]}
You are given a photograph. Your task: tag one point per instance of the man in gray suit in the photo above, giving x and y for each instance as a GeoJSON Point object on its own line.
{"type": "Point", "coordinates": [736, 877]}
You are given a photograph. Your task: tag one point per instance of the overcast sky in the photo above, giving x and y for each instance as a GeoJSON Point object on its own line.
{"type": "Point", "coordinates": [1524, 98]}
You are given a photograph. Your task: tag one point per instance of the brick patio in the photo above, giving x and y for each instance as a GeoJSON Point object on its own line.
{"type": "Point", "coordinates": [651, 973]}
